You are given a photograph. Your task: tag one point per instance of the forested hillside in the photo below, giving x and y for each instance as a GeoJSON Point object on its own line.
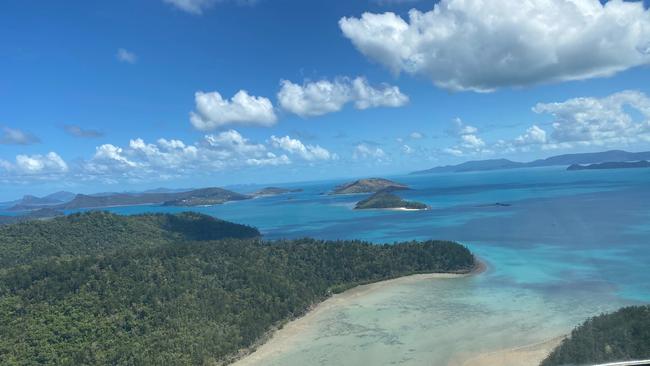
{"type": "Point", "coordinates": [100, 232]}
{"type": "Point", "coordinates": [159, 290]}
{"type": "Point", "coordinates": [620, 336]}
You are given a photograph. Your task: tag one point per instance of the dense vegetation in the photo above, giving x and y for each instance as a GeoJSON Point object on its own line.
{"type": "Point", "coordinates": [386, 199]}
{"type": "Point", "coordinates": [619, 336]}
{"type": "Point", "coordinates": [160, 290]}
{"type": "Point", "coordinates": [102, 232]}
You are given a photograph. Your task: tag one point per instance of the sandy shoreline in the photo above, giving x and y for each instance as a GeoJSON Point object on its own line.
{"type": "Point", "coordinates": [405, 209]}
{"type": "Point", "coordinates": [529, 355]}
{"type": "Point", "coordinates": [282, 339]}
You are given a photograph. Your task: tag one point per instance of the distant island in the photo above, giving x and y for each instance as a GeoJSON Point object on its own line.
{"type": "Point", "coordinates": [104, 289]}
{"type": "Point", "coordinates": [386, 199]}
{"type": "Point", "coordinates": [611, 165]}
{"type": "Point", "coordinates": [162, 196]}
{"type": "Point", "coordinates": [274, 191]}
{"type": "Point", "coordinates": [369, 185]}
{"type": "Point", "coordinates": [195, 197]}
{"type": "Point", "coordinates": [558, 160]}
{"type": "Point", "coordinates": [30, 202]}
{"type": "Point", "coordinates": [205, 197]}
{"type": "Point", "coordinates": [38, 214]}
{"type": "Point", "coordinates": [620, 336]}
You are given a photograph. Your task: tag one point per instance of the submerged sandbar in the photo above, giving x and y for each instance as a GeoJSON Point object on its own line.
{"type": "Point", "coordinates": [283, 340]}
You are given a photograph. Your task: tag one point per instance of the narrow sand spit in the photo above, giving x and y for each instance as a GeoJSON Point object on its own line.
{"type": "Point", "coordinates": [530, 355]}
{"type": "Point", "coordinates": [283, 339]}
{"type": "Point", "coordinates": [404, 209]}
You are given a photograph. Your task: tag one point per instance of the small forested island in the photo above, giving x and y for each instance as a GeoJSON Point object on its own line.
{"type": "Point", "coordinates": [369, 185]}
{"type": "Point", "coordinates": [273, 191]}
{"type": "Point", "coordinates": [207, 197]}
{"type": "Point", "coordinates": [620, 336]}
{"type": "Point", "coordinates": [158, 289]}
{"type": "Point", "coordinates": [611, 165]}
{"type": "Point", "coordinates": [386, 199]}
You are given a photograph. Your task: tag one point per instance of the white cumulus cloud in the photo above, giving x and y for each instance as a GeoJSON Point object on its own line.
{"type": "Point", "coordinates": [471, 142]}
{"type": "Point", "coordinates": [213, 111]}
{"type": "Point", "coordinates": [167, 158]}
{"type": "Point", "coordinates": [467, 138]}
{"type": "Point", "coordinates": [316, 98]}
{"type": "Point", "coordinates": [38, 164]}
{"type": "Point", "coordinates": [485, 45]}
{"type": "Point", "coordinates": [307, 152]}
{"type": "Point", "coordinates": [270, 159]}
{"type": "Point", "coordinates": [366, 96]}
{"type": "Point", "coordinates": [366, 151]}
{"type": "Point", "coordinates": [600, 121]}
{"type": "Point", "coordinates": [232, 141]}
{"type": "Point", "coordinates": [109, 157]}
{"type": "Point", "coordinates": [534, 135]}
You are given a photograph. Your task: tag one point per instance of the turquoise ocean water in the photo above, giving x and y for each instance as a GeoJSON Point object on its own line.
{"type": "Point", "coordinates": [569, 245]}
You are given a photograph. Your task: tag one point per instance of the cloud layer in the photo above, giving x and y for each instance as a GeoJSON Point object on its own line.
{"type": "Point", "coordinates": [619, 118]}
{"type": "Point", "coordinates": [14, 136]}
{"type": "Point", "coordinates": [485, 45]}
{"type": "Point", "coordinates": [41, 166]}
{"type": "Point", "coordinates": [307, 152]}
{"type": "Point", "coordinates": [167, 158]}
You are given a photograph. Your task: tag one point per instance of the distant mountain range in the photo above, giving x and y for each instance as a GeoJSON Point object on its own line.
{"type": "Point", "coordinates": [29, 202]}
{"type": "Point", "coordinates": [566, 159]}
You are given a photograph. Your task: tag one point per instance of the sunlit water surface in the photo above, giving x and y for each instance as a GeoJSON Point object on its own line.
{"type": "Point", "coordinates": [569, 246]}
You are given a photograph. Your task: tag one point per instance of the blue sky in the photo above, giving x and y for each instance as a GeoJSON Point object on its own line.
{"type": "Point", "coordinates": [89, 89]}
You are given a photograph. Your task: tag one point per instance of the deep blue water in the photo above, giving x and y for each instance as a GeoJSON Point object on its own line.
{"type": "Point", "coordinates": [563, 231]}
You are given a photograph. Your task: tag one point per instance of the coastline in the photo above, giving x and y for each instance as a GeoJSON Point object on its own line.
{"type": "Point", "coordinates": [407, 209]}
{"type": "Point", "coordinates": [527, 355]}
{"type": "Point", "coordinates": [393, 209]}
{"type": "Point", "coordinates": [282, 337]}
